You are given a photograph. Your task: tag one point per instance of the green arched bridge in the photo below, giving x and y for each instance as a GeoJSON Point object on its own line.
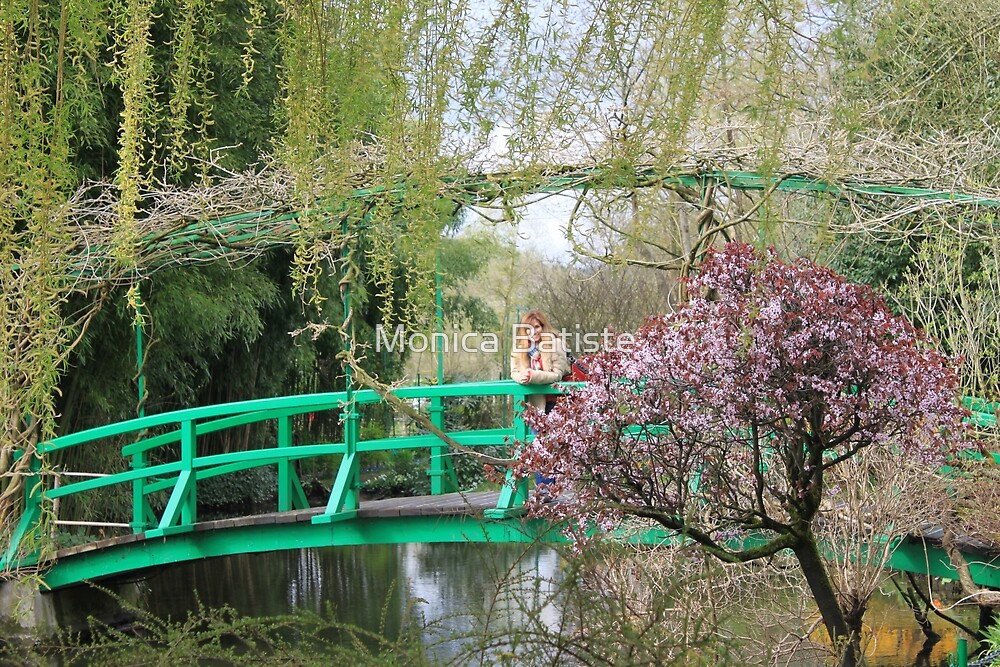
{"type": "Point", "coordinates": [160, 458]}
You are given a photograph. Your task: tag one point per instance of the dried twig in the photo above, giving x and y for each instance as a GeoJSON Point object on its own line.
{"type": "Point", "coordinates": [402, 407]}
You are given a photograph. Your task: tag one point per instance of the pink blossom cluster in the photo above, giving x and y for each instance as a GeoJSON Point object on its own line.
{"type": "Point", "coordinates": [725, 415]}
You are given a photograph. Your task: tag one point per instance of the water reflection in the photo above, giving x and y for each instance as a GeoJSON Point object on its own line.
{"type": "Point", "coordinates": [372, 586]}
{"type": "Point", "coordinates": [896, 640]}
{"type": "Point", "coordinates": [453, 587]}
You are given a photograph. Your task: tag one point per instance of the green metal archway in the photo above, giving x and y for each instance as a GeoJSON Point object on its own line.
{"type": "Point", "coordinates": [209, 237]}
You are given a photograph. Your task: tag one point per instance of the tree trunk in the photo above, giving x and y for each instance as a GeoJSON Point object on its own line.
{"type": "Point", "coordinates": [988, 616]}
{"type": "Point", "coordinates": [814, 569]}
{"type": "Point", "coordinates": [854, 615]}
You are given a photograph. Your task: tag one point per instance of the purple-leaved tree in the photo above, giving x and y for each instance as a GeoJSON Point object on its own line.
{"type": "Point", "coordinates": [723, 418]}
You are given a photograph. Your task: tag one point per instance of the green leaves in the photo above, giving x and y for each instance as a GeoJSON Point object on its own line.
{"type": "Point", "coordinates": [196, 313]}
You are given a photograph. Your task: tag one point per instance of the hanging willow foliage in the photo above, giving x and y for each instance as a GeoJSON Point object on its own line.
{"type": "Point", "coordinates": [35, 180]}
{"type": "Point", "coordinates": [133, 65]}
{"type": "Point", "coordinates": [190, 116]}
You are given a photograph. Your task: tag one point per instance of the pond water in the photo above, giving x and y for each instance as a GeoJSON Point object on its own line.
{"type": "Point", "coordinates": [376, 587]}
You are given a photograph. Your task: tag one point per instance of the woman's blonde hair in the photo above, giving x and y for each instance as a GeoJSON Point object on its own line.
{"type": "Point", "coordinates": [522, 343]}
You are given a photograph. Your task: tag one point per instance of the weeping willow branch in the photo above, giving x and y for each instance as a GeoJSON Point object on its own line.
{"type": "Point", "coordinates": [402, 407]}
{"type": "Point", "coordinates": [877, 180]}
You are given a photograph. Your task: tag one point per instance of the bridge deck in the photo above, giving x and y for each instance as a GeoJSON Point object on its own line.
{"type": "Point", "coordinates": [449, 504]}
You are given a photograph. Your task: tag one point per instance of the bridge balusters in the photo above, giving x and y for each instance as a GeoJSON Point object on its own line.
{"type": "Point", "coordinates": [180, 514]}
{"type": "Point", "coordinates": [352, 433]}
{"type": "Point", "coordinates": [346, 491]}
{"type": "Point", "coordinates": [140, 506]}
{"type": "Point", "coordinates": [442, 470]}
{"type": "Point", "coordinates": [189, 445]}
{"type": "Point", "coordinates": [514, 492]}
{"type": "Point", "coordinates": [284, 477]}
{"type": "Point", "coordinates": [290, 493]}
{"type": "Point", "coordinates": [30, 521]}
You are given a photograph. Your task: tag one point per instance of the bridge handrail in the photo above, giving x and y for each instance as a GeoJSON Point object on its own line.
{"type": "Point", "coordinates": [297, 404]}
{"type": "Point", "coordinates": [240, 413]}
{"type": "Point", "coordinates": [220, 464]}
{"type": "Point", "coordinates": [984, 411]}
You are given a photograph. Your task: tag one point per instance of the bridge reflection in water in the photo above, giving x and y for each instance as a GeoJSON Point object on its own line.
{"type": "Point", "coordinates": [443, 587]}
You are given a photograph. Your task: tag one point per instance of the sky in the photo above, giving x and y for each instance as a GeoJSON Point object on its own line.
{"type": "Point", "coordinates": [542, 227]}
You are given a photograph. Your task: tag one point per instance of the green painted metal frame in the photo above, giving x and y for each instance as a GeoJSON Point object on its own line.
{"type": "Point", "coordinates": [273, 227]}
{"type": "Point", "coordinates": [442, 473]}
{"type": "Point", "coordinates": [345, 496]}
{"type": "Point", "coordinates": [25, 531]}
{"type": "Point", "coordinates": [183, 467]}
{"type": "Point", "coordinates": [338, 524]}
{"type": "Point", "coordinates": [920, 557]}
{"type": "Point", "coordinates": [514, 493]}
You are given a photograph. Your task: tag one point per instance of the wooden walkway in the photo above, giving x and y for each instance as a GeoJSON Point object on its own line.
{"type": "Point", "coordinates": [449, 504]}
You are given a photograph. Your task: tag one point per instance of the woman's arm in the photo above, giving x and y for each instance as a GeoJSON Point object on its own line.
{"type": "Point", "coordinates": [556, 365]}
{"type": "Point", "coordinates": [518, 371]}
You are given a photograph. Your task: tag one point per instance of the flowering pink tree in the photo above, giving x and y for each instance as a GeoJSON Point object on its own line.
{"type": "Point", "coordinates": [723, 418]}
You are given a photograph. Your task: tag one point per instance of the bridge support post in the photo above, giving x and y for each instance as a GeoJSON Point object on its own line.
{"type": "Point", "coordinates": [24, 537]}
{"type": "Point", "coordinates": [345, 495]}
{"type": "Point", "coordinates": [290, 493]}
{"type": "Point", "coordinates": [143, 517]}
{"type": "Point", "coordinates": [181, 511]}
{"type": "Point", "coordinates": [352, 433]}
{"type": "Point", "coordinates": [515, 491]}
{"type": "Point", "coordinates": [442, 470]}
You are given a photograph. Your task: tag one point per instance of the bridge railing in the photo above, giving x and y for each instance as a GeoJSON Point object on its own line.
{"type": "Point", "coordinates": [162, 456]}
{"type": "Point", "coordinates": [169, 461]}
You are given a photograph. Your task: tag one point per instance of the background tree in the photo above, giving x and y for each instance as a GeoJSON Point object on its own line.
{"type": "Point", "coordinates": [591, 297]}
{"type": "Point", "coordinates": [727, 418]}
{"type": "Point", "coordinates": [923, 73]}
